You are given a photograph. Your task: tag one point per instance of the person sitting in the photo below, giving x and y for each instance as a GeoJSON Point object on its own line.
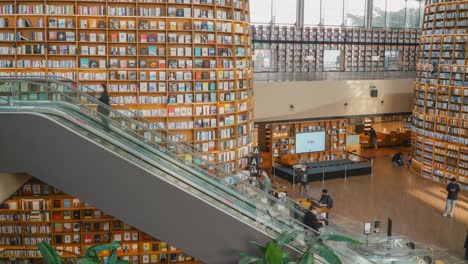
{"type": "Point", "coordinates": [310, 218]}
{"type": "Point", "coordinates": [397, 159]}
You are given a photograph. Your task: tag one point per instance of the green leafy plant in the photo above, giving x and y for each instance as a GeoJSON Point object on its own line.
{"type": "Point", "coordinates": [91, 254]}
{"type": "Point", "coordinates": [273, 252]}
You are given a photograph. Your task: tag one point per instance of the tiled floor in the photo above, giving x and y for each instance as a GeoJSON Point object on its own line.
{"type": "Point", "coordinates": [414, 203]}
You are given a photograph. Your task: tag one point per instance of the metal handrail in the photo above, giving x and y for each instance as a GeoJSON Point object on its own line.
{"type": "Point", "coordinates": [359, 156]}
{"type": "Point", "coordinates": [253, 189]}
{"type": "Point", "coordinates": [165, 140]}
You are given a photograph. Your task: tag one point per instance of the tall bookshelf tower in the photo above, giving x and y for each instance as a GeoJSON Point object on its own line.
{"type": "Point", "coordinates": [184, 65]}
{"type": "Point", "coordinates": [440, 119]}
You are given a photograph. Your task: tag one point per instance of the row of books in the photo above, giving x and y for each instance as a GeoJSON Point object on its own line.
{"type": "Point", "coordinates": [142, 11]}
{"type": "Point", "coordinates": [278, 33]}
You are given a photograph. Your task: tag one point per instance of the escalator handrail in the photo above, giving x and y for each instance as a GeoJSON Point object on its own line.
{"type": "Point", "coordinates": [38, 81]}
{"type": "Point", "coordinates": [294, 210]}
{"type": "Point", "coordinates": [214, 195]}
{"type": "Point", "coordinates": [65, 82]}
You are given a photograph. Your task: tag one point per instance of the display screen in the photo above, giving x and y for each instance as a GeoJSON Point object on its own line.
{"type": "Point", "coordinates": [310, 142]}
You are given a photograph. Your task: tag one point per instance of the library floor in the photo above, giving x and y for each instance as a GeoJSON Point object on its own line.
{"type": "Point", "coordinates": [413, 203]}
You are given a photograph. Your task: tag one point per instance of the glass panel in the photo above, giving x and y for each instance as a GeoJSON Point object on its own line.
{"type": "Point", "coordinates": [413, 14]}
{"type": "Point", "coordinates": [391, 60]}
{"type": "Point", "coordinates": [355, 12]}
{"type": "Point", "coordinates": [421, 13]}
{"type": "Point", "coordinates": [260, 11]}
{"type": "Point", "coordinates": [332, 12]}
{"type": "Point", "coordinates": [311, 12]}
{"type": "Point", "coordinates": [285, 11]}
{"type": "Point", "coordinates": [264, 59]}
{"type": "Point", "coordinates": [331, 60]}
{"type": "Point", "coordinates": [378, 14]}
{"type": "Point", "coordinates": [396, 13]}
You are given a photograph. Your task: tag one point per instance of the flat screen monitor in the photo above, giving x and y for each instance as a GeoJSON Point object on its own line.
{"type": "Point", "coordinates": [310, 142]}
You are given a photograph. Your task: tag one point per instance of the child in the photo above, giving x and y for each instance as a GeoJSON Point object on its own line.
{"type": "Point", "coordinates": [397, 159]}
{"type": "Point", "coordinates": [408, 161]}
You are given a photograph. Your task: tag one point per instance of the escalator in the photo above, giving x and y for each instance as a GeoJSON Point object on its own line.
{"type": "Point", "coordinates": [139, 175]}
{"type": "Point", "coordinates": [61, 141]}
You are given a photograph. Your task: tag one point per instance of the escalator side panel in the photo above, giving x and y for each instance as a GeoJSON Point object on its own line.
{"type": "Point", "coordinates": [10, 183]}
{"type": "Point", "coordinates": [66, 160]}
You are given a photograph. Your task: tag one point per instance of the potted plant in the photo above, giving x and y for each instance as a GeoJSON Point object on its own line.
{"type": "Point", "coordinates": [273, 252]}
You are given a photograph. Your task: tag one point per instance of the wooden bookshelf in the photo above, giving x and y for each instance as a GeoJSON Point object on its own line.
{"type": "Point", "coordinates": [292, 49]}
{"type": "Point", "coordinates": [38, 212]}
{"type": "Point", "coordinates": [184, 65]}
{"type": "Point", "coordinates": [280, 139]}
{"type": "Point", "coordinates": [440, 141]}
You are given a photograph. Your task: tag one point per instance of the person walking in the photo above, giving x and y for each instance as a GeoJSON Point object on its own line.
{"type": "Point", "coordinates": [453, 189]}
{"type": "Point", "coordinates": [104, 111]}
{"type": "Point", "coordinates": [266, 183]}
{"type": "Point", "coordinates": [373, 136]}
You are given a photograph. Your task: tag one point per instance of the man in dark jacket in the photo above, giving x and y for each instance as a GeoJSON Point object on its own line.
{"type": "Point", "coordinates": [453, 189]}
{"type": "Point", "coordinates": [104, 111]}
{"type": "Point", "coordinates": [310, 219]}
{"type": "Point", "coordinates": [326, 201]}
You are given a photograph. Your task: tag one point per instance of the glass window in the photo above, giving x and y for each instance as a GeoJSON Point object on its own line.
{"type": "Point", "coordinates": [331, 60]}
{"type": "Point", "coordinates": [413, 14]}
{"type": "Point", "coordinates": [396, 13]}
{"type": "Point", "coordinates": [332, 14]}
{"type": "Point", "coordinates": [378, 13]}
{"type": "Point", "coordinates": [421, 13]}
{"type": "Point", "coordinates": [264, 60]}
{"type": "Point", "coordinates": [285, 11]}
{"type": "Point", "coordinates": [260, 11]}
{"type": "Point", "coordinates": [392, 60]}
{"type": "Point", "coordinates": [355, 12]}
{"type": "Point", "coordinates": [311, 12]}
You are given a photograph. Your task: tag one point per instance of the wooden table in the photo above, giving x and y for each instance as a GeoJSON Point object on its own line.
{"type": "Point", "coordinates": [306, 203]}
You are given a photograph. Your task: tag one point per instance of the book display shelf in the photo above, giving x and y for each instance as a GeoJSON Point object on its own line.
{"type": "Point", "coordinates": [280, 139]}
{"type": "Point", "coordinates": [440, 126]}
{"type": "Point", "coordinates": [291, 49]}
{"type": "Point", "coordinates": [184, 65]}
{"type": "Point", "coordinates": [38, 212]}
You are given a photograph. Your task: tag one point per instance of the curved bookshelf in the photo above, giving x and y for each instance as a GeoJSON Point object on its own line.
{"type": "Point", "coordinates": [440, 126]}
{"type": "Point", "coordinates": [185, 65]}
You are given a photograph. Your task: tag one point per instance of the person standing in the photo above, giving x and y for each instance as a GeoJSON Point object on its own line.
{"type": "Point", "coordinates": [326, 201]}
{"type": "Point", "coordinates": [304, 179]}
{"type": "Point", "coordinates": [373, 136]}
{"type": "Point", "coordinates": [310, 219]}
{"type": "Point", "coordinates": [266, 183]}
{"type": "Point", "coordinates": [104, 111]}
{"type": "Point", "coordinates": [408, 160]}
{"type": "Point", "coordinates": [453, 189]}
